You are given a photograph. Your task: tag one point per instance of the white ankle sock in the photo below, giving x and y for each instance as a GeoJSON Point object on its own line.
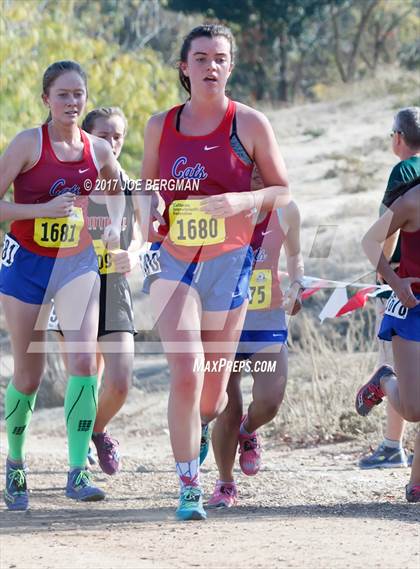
{"type": "Point", "coordinates": [189, 472]}
{"type": "Point", "coordinates": [392, 444]}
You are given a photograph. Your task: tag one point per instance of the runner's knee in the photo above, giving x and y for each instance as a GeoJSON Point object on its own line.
{"type": "Point", "coordinates": [186, 384]}
{"type": "Point", "coordinates": [232, 415]}
{"type": "Point", "coordinates": [118, 376]}
{"type": "Point", "coordinates": [28, 380]}
{"type": "Point", "coordinates": [82, 364]}
{"type": "Point", "coordinates": [411, 413]}
{"type": "Point", "coordinates": [271, 407]}
{"type": "Point", "coordinates": [119, 384]}
{"type": "Point", "coordinates": [214, 407]}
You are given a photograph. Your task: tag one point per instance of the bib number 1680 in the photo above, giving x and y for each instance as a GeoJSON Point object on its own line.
{"type": "Point", "coordinates": [193, 228]}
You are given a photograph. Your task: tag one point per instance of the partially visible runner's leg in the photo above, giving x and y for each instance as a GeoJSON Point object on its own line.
{"type": "Point", "coordinates": [225, 442]}
{"type": "Point", "coordinates": [115, 385]}
{"type": "Point", "coordinates": [267, 395]}
{"type": "Point", "coordinates": [404, 396]}
{"type": "Point", "coordinates": [221, 331]}
{"type": "Point", "coordinates": [390, 452]}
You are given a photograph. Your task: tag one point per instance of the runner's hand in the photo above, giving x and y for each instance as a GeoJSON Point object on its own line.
{"type": "Point", "coordinates": [155, 216]}
{"type": "Point", "coordinates": [124, 261]}
{"type": "Point", "coordinates": [226, 205]}
{"type": "Point", "coordinates": [61, 206]}
{"type": "Point", "coordinates": [149, 213]}
{"type": "Point", "coordinates": [292, 300]}
{"type": "Point", "coordinates": [404, 292]}
{"type": "Point", "coordinates": [111, 237]}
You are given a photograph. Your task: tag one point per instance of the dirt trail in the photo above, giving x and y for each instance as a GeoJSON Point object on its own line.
{"type": "Point", "coordinates": [307, 508]}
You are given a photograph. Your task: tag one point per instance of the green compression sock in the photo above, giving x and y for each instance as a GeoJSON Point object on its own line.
{"type": "Point", "coordinates": [80, 406]}
{"type": "Point", "coordinates": [18, 409]}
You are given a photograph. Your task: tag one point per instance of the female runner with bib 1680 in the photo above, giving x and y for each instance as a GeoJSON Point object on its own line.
{"type": "Point", "coordinates": [199, 290]}
{"type": "Point", "coordinates": [48, 254]}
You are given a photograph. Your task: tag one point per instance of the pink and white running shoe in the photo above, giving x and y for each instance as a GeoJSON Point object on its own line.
{"type": "Point", "coordinates": [225, 495]}
{"type": "Point", "coordinates": [249, 451]}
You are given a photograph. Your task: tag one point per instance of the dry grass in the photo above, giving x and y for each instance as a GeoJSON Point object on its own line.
{"type": "Point", "coordinates": [389, 80]}
{"type": "Point", "coordinates": [326, 367]}
{"type": "Point", "coordinates": [355, 169]}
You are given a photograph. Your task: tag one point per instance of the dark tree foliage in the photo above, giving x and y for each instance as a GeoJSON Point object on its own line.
{"type": "Point", "coordinates": [271, 26]}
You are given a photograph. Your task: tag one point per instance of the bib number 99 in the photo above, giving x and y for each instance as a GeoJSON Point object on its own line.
{"type": "Point", "coordinates": [105, 262]}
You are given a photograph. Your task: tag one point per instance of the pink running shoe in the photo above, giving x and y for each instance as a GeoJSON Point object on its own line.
{"type": "Point", "coordinates": [225, 495]}
{"type": "Point", "coordinates": [249, 451]}
{"type": "Point", "coordinates": [107, 449]}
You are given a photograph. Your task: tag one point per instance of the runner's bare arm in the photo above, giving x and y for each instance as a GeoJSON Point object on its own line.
{"type": "Point", "coordinates": [388, 250]}
{"type": "Point", "coordinates": [20, 155]}
{"type": "Point", "coordinates": [294, 259]}
{"type": "Point", "coordinates": [125, 261]}
{"type": "Point", "coordinates": [137, 241]}
{"type": "Point", "coordinates": [401, 215]}
{"type": "Point", "coordinates": [115, 202]}
{"type": "Point", "coordinates": [149, 201]}
{"type": "Point", "coordinates": [291, 216]}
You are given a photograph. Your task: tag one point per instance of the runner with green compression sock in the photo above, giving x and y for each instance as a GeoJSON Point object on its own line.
{"type": "Point", "coordinates": [48, 254]}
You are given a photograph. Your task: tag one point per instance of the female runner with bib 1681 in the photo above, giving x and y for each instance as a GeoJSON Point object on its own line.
{"type": "Point", "coordinates": [48, 254]}
{"type": "Point", "coordinates": [200, 256]}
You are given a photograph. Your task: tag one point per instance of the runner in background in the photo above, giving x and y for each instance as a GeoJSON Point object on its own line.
{"type": "Point", "coordinates": [406, 145]}
{"type": "Point", "coordinates": [116, 319]}
{"type": "Point", "coordinates": [401, 321]}
{"type": "Point", "coordinates": [48, 254]}
{"type": "Point", "coordinates": [263, 348]}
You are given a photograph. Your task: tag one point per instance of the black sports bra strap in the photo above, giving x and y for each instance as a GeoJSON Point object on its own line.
{"type": "Point", "coordinates": [178, 117]}
{"type": "Point", "coordinates": [234, 133]}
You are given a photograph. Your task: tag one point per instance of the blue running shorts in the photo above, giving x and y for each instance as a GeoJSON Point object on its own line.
{"type": "Point", "coordinates": [400, 321]}
{"type": "Point", "coordinates": [36, 279]}
{"type": "Point", "coordinates": [222, 282]}
{"type": "Point", "coordinates": [262, 328]}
